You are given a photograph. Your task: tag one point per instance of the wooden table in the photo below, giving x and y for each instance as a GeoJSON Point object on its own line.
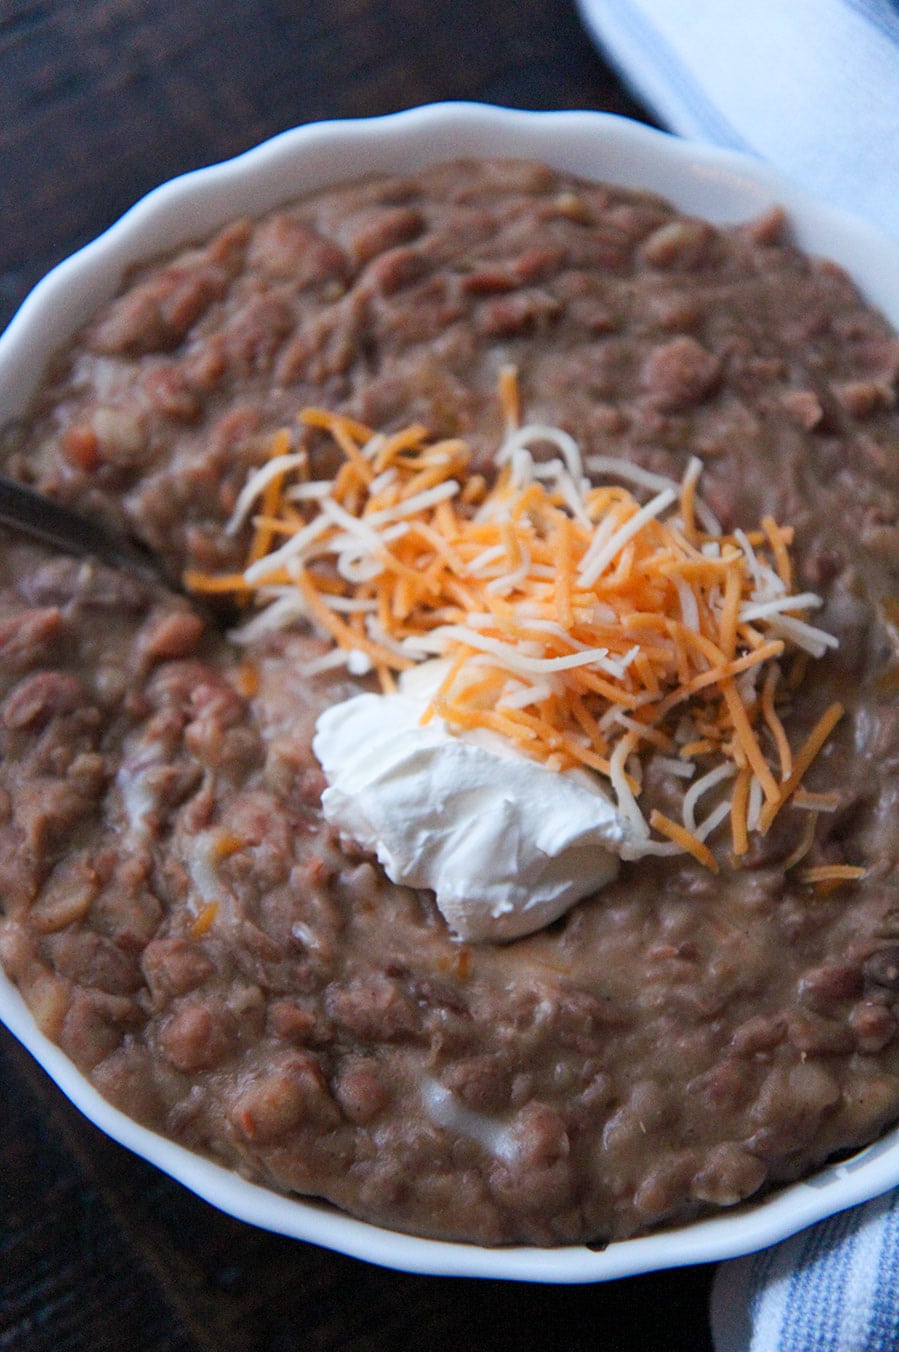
{"type": "Point", "coordinates": [99, 101]}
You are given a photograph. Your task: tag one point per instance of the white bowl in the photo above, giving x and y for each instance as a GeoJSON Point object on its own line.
{"type": "Point", "coordinates": [718, 185]}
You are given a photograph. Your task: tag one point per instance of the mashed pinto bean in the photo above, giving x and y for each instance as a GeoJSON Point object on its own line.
{"type": "Point", "coordinates": [178, 915]}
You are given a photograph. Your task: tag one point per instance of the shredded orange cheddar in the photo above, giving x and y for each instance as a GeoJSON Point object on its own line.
{"type": "Point", "coordinates": [738, 805]}
{"type": "Point", "coordinates": [204, 919]}
{"type": "Point", "coordinates": [801, 762]}
{"type": "Point", "coordinates": [509, 395]}
{"type": "Point", "coordinates": [222, 584]}
{"type": "Point", "coordinates": [727, 633]}
{"type": "Point", "coordinates": [271, 496]}
{"type": "Point", "coordinates": [227, 844]}
{"type": "Point", "coordinates": [689, 842]}
{"type": "Point", "coordinates": [580, 623]}
{"type": "Point", "coordinates": [769, 713]}
{"type": "Point", "coordinates": [816, 802]}
{"type": "Point", "coordinates": [832, 873]}
{"type": "Point", "coordinates": [247, 679]}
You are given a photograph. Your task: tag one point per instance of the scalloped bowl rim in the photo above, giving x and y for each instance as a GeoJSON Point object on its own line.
{"type": "Point", "coordinates": [721, 185]}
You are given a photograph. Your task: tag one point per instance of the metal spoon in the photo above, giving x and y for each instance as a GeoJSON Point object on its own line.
{"type": "Point", "coordinates": [34, 514]}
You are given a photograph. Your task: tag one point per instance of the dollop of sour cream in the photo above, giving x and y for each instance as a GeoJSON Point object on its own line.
{"type": "Point", "coordinates": [506, 844]}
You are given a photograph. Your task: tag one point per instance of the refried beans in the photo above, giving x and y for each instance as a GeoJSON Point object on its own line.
{"type": "Point", "coordinates": [220, 963]}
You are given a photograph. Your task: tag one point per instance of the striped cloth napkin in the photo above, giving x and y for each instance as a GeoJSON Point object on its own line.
{"type": "Point", "coordinates": [812, 87]}
{"type": "Point", "coordinates": [832, 1288]}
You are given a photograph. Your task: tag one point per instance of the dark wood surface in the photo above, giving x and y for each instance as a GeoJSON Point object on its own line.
{"type": "Point", "coordinates": [99, 101]}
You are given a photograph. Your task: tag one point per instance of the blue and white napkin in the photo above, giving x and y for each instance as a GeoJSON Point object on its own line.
{"type": "Point", "coordinates": [810, 86]}
{"type": "Point", "coordinates": [832, 1288]}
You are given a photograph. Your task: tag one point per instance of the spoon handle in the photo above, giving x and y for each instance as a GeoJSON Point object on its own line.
{"type": "Point", "coordinates": [33, 514]}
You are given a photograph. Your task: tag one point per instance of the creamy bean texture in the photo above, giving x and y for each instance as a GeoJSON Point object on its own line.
{"type": "Point", "coordinates": [228, 969]}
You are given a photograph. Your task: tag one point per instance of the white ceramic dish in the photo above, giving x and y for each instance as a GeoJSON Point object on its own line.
{"type": "Point", "coordinates": [718, 185]}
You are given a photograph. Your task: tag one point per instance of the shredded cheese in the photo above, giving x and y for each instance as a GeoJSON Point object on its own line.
{"type": "Point", "coordinates": [204, 919]}
{"type": "Point", "coordinates": [831, 873]}
{"type": "Point", "coordinates": [582, 624]}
